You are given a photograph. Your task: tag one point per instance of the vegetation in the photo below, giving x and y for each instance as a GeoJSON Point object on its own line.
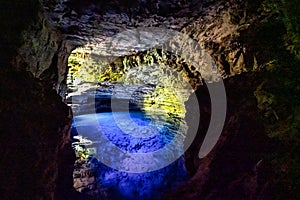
{"type": "Point", "coordinates": [278, 42]}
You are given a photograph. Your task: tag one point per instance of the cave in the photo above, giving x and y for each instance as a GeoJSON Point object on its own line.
{"type": "Point", "coordinates": [149, 99]}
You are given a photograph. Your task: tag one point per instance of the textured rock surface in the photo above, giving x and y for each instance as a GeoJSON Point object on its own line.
{"type": "Point", "coordinates": [235, 168]}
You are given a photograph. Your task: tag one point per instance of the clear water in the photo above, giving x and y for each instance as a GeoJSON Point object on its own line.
{"type": "Point", "coordinates": [134, 133]}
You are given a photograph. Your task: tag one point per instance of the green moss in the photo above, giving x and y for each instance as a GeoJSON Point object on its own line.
{"type": "Point", "coordinates": [288, 12]}
{"type": "Point", "coordinates": [278, 95]}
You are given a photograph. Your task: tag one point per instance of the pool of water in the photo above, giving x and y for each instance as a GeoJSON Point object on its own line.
{"type": "Point", "coordinates": [103, 172]}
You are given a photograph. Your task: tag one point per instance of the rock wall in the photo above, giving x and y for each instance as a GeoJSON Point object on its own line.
{"type": "Point", "coordinates": [237, 167]}
{"type": "Point", "coordinates": [35, 127]}
{"type": "Point", "coordinates": [35, 122]}
{"type": "Point", "coordinates": [45, 54]}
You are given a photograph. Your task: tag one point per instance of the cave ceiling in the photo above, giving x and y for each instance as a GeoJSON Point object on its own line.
{"type": "Point", "coordinates": [93, 21]}
{"type": "Point", "coordinates": [90, 23]}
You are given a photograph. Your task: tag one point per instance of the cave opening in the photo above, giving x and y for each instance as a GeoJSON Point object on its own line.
{"type": "Point", "coordinates": [123, 108]}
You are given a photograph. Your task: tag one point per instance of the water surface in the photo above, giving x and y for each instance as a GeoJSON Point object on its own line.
{"type": "Point", "coordinates": [132, 132]}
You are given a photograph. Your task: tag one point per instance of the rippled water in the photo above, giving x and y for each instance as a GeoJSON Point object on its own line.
{"type": "Point", "coordinates": [134, 133]}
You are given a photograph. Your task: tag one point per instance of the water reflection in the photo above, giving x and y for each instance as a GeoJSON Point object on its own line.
{"type": "Point", "coordinates": [100, 181]}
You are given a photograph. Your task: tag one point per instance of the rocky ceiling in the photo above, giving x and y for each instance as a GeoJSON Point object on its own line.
{"type": "Point", "coordinates": [66, 24]}
{"type": "Point", "coordinates": [214, 24]}
{"type": "Point", "coordinates": [93, 21]}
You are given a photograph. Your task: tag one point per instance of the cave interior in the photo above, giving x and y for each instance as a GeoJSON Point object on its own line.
{"type": "Point", "coordinates": [200, 99]}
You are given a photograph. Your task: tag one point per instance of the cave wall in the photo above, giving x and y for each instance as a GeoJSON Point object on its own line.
{"type": "Point", "coordinates": [237, 167]}
{"type": "Point", "coordinates": [45, 54]}
{"type": "Point", "coordinates": [35, 122]}
{"type": "Point", "coordinates": [36, 156]}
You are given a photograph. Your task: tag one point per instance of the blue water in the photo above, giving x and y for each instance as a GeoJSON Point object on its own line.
{"type": "Point", "coordinates": [133, 133]}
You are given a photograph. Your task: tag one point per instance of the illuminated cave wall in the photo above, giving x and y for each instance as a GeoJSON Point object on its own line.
{"type": "Point", "coordinates": [171, 81]}
{"type": "Point", "coordinates": [90, 66]}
